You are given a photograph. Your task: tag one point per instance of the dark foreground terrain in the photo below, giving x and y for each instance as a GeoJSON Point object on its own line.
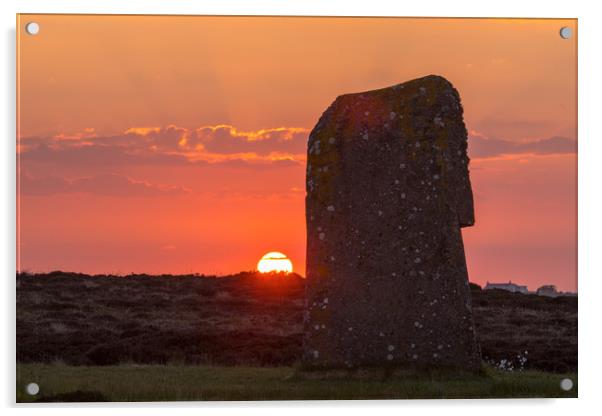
{"type": "Point", "coordinates": [247, 319]}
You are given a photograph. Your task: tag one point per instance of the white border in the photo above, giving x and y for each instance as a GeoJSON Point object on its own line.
{"type": "Point", "coordinates": [590, 173]}
{"type": "Point", "coordinates": [508, 8]}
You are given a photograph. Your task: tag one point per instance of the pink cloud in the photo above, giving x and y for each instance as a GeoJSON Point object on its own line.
{"type": "Point", "coordinates": [228, 139]}
{"type": "Point", "coordinates": [105, 185]}
{"type": "Point", "coordinates": [170, 145]}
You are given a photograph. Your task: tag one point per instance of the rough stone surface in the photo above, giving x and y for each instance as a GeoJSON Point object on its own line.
{"type": "Point", "coordinates": [387, 193]}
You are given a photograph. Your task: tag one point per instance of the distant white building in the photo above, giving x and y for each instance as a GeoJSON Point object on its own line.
{"type": "Point", "coordinates": [510, 287]}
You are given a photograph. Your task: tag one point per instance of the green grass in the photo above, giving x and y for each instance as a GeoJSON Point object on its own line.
{"type": "Point", "coordinates": [178, 383]}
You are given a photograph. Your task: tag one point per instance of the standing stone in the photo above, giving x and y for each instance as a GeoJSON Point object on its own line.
{"type": "Point", "coordinates": [387, 193]}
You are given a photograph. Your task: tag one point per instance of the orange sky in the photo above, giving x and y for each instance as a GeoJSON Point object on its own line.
{"type": "Point", "coordinates": [177, 144]}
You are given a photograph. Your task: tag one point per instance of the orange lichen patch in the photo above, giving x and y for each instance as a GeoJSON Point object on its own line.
{"type": "Point", "coordinates": [323, 160]}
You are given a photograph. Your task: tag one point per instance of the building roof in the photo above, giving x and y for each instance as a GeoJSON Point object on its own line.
{"type": "Point", "coordinates": [505, 284]}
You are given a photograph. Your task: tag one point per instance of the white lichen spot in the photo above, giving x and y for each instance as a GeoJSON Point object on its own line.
{"type": "Point", "coordinates": [435, 355]}
{"type": "Point", "coordinates": [323, 326]}
{"type": "Point", "coordinates": [392, 115]}
{"type": "Point", "coordinates": [415, 356]}
{"type": "Point", "coordinates": [366, 137]}
{"type": "Point", "coordinates": [403, 195]}
{"type": "Point", "coordinates": [332, 258]}
{"type": "Point", "coordinates": [413, 346]}
{"type": "Point", "coordinates": [330, 208]}
{"type": "Point", "coordinates": [381, 334]}
{"type": "Point", "coordinates": [350, 329]}
{"type": "Point", "coordinates": [439, 347]}
{"type": "Point", "coordinates": [435, 177]}
{"type": "Point", "coordinates": [380, 213]}
{"type": "Point", "coordinates": [389, 357]}
{"type": "Point", "coordinates": [402, 166]}
{"type": "Point", "coordinates": [417, 260]}
{"type": "Point", "coordinates": [325, 300]}
{"type": "Point", "coordinates": [416, 324]}
{"type": "Point", "coordinates": [391, 347]}
{"type": "Point", "coordinates": [316, 327]}
{"type": "Point", "coordinates": [367, 113]}
{"type": "Point", "coordinates": [316, 353]}
{"type": "Point", "coordinates": [322, 236]}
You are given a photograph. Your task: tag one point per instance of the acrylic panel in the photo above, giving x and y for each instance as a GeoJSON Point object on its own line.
{"type": "Point", "coordinates": [295, 208]}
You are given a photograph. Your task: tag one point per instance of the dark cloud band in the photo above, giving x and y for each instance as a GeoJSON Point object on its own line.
{"type": "Point", "coordinates": [104, 184]}
{"type": "Point", "coordinates": [481, 147]}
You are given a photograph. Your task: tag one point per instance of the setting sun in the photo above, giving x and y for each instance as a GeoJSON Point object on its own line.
{"type": "Point", "coordinates": [275, 261]}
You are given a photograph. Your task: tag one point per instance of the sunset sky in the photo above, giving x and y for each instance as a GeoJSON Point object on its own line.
{"type": "Point", "coordinates": [177, 144]}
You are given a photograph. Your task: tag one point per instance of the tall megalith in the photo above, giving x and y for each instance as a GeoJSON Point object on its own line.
{"type": "Point", "coordinates": [388, 192]}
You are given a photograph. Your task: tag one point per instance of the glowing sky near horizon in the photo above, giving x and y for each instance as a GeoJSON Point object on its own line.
{"type": "Point", "coordinates": [177, 144]}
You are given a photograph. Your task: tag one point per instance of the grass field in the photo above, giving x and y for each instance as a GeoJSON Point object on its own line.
{"type": "Point", "coordinates": [59, 382]}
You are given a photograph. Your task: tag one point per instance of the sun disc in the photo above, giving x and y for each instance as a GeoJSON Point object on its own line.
{"type": "Point", "coordinates": [275, 261]}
